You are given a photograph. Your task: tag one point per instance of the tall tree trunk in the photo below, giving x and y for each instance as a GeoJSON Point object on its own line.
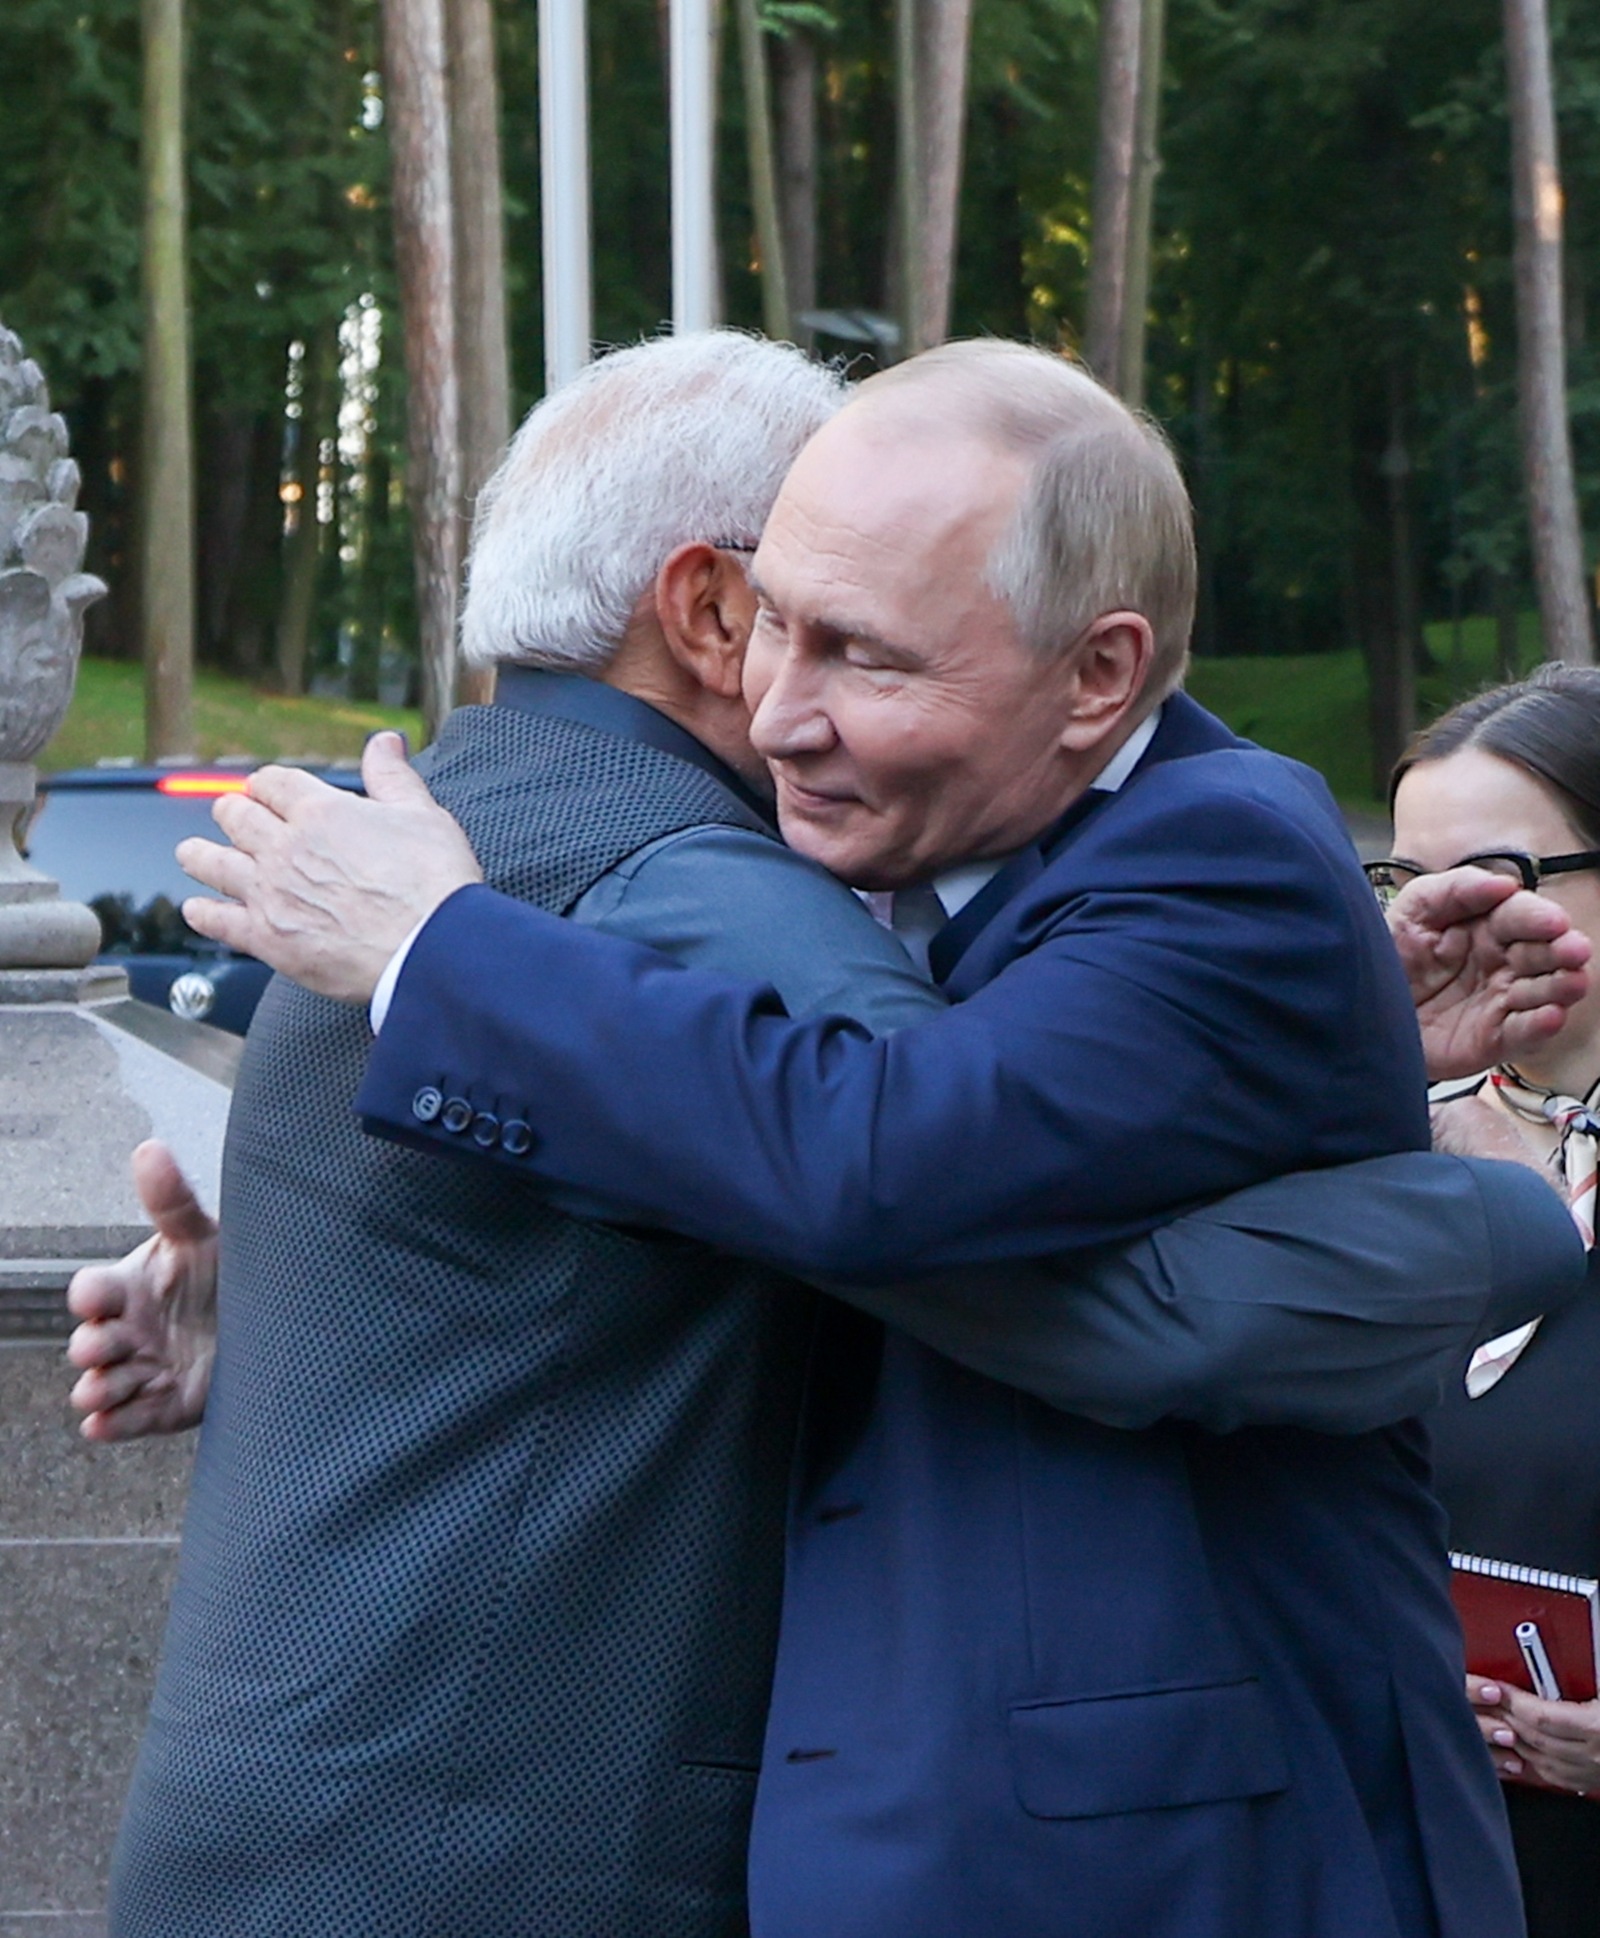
{"type": "Point", "coordinates": [166, 485]}
{"type": "Point", "coordinates": [1557, 541]}
{"type": "Point", "coordinates": [1202, 408]}
{"type": "Point", "coordinates": [225, 438]}
{"type": "Point", "coordinates": [944, 43]}
{"type": "Point", "coordinates": [777, 316]}
{"type": "Point", "coordinates": [1141, 203]}
{"type": "Point", "coordinates": [256, 587]}
{"type": "Point", "coordinates": [419, 142]}
{"type": "Point", "coordinates": [1117, 110]}
{"type": "Point", "coordinates": [100, 433]}
{"type": "Point", "coordinates": [1391, 666]}
{"type": "Point", "coordinates": [1396, 466]}
{"type": "Point", "coordinates": [483, 355]}
{"type": "Point", "coordinates": [905, 226]}
{"type": "Point", "coordinates": [302, 550]}
{"type": "Point", "coordinates": [932, 38]}
{"type": "Point", "coordinates": [794, 74]}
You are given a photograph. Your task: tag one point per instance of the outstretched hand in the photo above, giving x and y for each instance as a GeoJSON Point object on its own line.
{"type": "Point", "coordinates": [324, 885]}
{"type": "Point", "coordinates": [1493, 969]}
{"type": "Point", "coordinates": [147, 1335]}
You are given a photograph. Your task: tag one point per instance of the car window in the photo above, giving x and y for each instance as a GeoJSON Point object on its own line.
{"type": "Point", "coordinates": [115, 841]}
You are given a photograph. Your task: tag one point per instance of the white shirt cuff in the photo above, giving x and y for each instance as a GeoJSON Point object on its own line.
{"type": "Point", "coordinates": [383, 995]}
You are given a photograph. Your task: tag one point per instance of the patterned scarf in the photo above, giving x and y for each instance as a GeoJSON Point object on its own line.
{"type": "Point", "coordinates": [1574, 1159]}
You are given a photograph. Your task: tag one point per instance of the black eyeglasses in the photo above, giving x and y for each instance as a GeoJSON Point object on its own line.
{"type": "Point", "coordinates": [730, 545]}
{"type": "Point", "coordinates": [1390, 875]}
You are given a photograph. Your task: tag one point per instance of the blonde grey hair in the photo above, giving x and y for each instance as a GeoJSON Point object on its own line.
{"type": "Point", "coordinates": [1104, 522]}
{"type": "Point", "coordinates": [677, 439]}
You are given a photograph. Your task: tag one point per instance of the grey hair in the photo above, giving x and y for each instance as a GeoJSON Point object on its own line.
{"type": "Point", "coordinates": [676, 439]}
{"type": "Point", "coordinates": [1104, 521]}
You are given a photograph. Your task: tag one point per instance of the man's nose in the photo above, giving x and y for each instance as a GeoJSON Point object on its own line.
{"type": "Point", "coordinates": [791, 716]}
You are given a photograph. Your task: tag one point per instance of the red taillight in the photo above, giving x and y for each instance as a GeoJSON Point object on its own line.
{"type": "Point", "coordinates": [191, 784]}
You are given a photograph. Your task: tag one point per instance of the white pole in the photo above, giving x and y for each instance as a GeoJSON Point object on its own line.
{"type": "Point", "coordinates": [693, 220]}
{"type": "Point", "coordinates": [564, 188]}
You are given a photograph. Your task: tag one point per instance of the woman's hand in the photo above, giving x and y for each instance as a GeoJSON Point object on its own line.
{"type": "Point", "coordinates": [1493, 969]}
{"type": "Point", "coordinates": [1559, 1742]}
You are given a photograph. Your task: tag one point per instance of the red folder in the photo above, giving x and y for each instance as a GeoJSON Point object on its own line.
{"type": "Point", "coordinates": [1493, 1597]}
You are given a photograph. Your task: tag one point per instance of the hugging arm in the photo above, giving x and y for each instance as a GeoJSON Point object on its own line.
{"type": "Point", "coordinates": [1282, 1304]}
{"type": "Point", "coordinates": [1146, 1049]}
{"type": "Point", "coordinates": [1339, 1300]}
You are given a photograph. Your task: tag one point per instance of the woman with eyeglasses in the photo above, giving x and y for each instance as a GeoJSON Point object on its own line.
{"type": "Point", "coordinates": [1510, 781]}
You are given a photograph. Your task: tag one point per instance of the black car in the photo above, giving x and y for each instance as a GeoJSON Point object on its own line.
{"type": "Point", "coordinates": [107, 835]}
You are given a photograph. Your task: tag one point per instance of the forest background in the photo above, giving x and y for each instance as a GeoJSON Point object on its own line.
{"type": "Point", "coordinates": [1331, 339]}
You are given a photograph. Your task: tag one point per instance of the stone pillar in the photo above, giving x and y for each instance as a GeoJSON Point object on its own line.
{"type": "Point", "coordinates": [88, 1535]}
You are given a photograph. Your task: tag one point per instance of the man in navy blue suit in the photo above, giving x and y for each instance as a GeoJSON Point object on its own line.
{"type": "Point", "coordinates": [1037, 1675]}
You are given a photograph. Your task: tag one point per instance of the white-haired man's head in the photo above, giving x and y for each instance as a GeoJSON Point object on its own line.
{"type": "Point", "coordinates": [681, 439]}
{"type": "Point", "coordinates": [1104, 521]}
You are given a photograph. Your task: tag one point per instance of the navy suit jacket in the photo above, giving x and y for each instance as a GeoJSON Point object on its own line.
{"type": "Point", "coordinates": [1040, 1675]}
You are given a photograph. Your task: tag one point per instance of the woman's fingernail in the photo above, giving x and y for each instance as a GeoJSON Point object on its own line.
{"type": "Point", "coordinates": [1512, 1766]}
{"type": "Point", "coordinates": [1490, 1692]}
{"type": "Point", "coordinates": [1504, 1737]}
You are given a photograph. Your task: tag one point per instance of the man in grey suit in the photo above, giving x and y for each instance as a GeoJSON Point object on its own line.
{"type": "Point", "coordinates": [477, 1600]}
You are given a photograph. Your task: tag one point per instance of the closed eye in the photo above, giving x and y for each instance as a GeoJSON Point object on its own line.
{"type": "Point", "coordinates": [870, 654]}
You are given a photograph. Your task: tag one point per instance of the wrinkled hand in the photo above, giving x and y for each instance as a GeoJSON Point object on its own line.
{"type": "Point", "coordinates": [148, 1331]}
{"type": "Point", "coordinates": [1493, 970]}
{"type": "Point", "coordinates": [1559, 1742]}
{"type": "Point", "coordinates": [324, 885]}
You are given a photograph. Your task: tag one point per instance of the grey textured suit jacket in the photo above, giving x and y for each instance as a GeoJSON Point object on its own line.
{"type": "Point", "coordinates": [474, 1622]}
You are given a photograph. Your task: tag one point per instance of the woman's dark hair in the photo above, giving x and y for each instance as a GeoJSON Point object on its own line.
{"type": "Point", "coordinates": [1548, 724]}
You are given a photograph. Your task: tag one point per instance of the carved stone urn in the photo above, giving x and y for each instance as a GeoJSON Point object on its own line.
{"type": "Point", "coordinates": [85, 1072]}
{"type": "Point", "coordinates": [88, 1535]}
{"type": "Point", "coordinates": [43, 595]}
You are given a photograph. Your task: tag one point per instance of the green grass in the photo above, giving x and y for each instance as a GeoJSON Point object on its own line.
{"type": "Point", "coordinates": [106, 720]}
{"type": "Point", "coordinates": [1314, 706]}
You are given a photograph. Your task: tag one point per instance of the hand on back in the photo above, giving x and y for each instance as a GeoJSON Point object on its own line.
{"type": "Point", "coordinates": [323, 885]}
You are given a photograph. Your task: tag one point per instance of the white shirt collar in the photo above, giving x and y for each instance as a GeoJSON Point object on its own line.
{"type": "Point", "coordinates": [1127, 756]}
{"type": "Point", "coordinates": [957, 886]}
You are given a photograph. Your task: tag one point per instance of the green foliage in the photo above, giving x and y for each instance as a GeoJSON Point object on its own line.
{"type": "Point", "coordinates": [69, 249]}
{"type": "Point", "coordinates": [1334, 198]}
{"type": "Point", "coordinates": [786, 17]}
{"type": "Point", "coordinates": [1339, 177]}
{"type": "Point", "coordinates": [283, 180]}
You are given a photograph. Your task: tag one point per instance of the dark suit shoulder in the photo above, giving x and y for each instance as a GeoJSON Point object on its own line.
{"type": "Point", "coordinates": [1233, 827]}
{"type": "Point", "coordinates": [1210, 799]}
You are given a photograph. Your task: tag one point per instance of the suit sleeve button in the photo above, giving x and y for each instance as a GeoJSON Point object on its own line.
{"type": "Point", "coordinates": [426, 1104]}
{"type": "Point", "coordinates": [516, 1138]}
{"type": "Point", "coordinates": [486, 1130]}
{"type": "Point", "coordinates": [456, 1115]}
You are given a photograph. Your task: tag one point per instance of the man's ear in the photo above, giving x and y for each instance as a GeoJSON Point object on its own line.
{"type": "Point", "coordinates": [1110, 665]}
{"type": "Point", "coordinates": [705, 609]}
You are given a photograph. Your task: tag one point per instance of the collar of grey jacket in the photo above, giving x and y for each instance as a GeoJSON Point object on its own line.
{"type": "Point", "coordinates": [573, 696]}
